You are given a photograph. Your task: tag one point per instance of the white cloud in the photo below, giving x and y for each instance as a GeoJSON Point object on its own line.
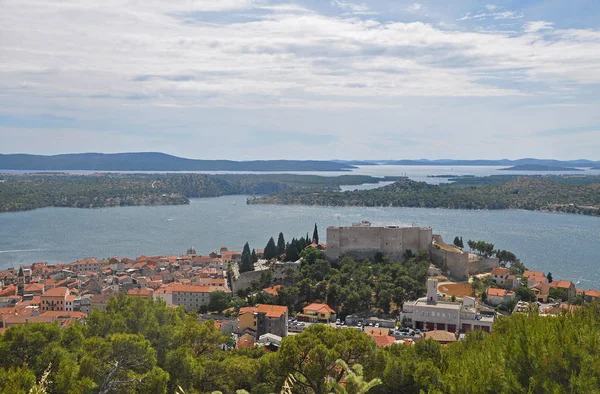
{"type": "Point", "coordinates": [535, 26]}
{"type": "Point", "coordinates": [493, 12]}
{"type": "Point", "coordinates": [353, 8]}
{"type": "Point", "coordinates": [171, 54]}
{"type": "Point", "coordinates": [414, 7]}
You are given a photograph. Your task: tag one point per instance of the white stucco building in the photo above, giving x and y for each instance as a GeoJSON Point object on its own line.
{"type": "Point", "coordinates": [431, 314]}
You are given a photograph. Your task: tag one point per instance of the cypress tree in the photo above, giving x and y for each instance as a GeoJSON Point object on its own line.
{"type": "Point", "coordinates": [246, 248]}
{"type": "Point", "coordinates": [315, 237]}
{"type": "Point", "coordinates": [254, 256]}
{"type": "Point", "coordinates": [281, 244]}
{"type": "Point", "coordinates": [270, 249]}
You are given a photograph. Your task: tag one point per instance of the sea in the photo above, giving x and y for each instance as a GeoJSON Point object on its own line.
{"type": "Point", "coordinates": [566, 245]}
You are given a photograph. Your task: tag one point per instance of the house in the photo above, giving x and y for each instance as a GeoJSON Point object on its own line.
{"type": "Point", "coordinates": [443, 337]}
{"type": "Point", "coordinates": [141, 292]}
{"type": "Point", "coordinates": [591, 295]}
{"type": "Point", "coordinates": [317, 312]}
{"type": "Point", "coordinates": [535, 277]}
{"type": "Point", "coordinates": [36, 289]}
{"type": "Point", "coordinates": [499, 276]}
{"type": "Point", "coordinates": [57, 299]}
{"type": "Point", "coordinates": [246, 340]}
{"type": "Point", "coordinates": [264, 319]}
{"type": "Point", "coordinates": [541, 291]}
{"type": "Point", "coordinates": [497, 296]}
{"type": "Point", "coordinates": [384, 340]}
{"type": "Point", "coordinates": [273, 290]}
{"type": "Point", "coordinates": [431, 314]}
{"type": "Point", "coordinates": [513, 282]}
{"type": "Point", "coordinates": [88, 265]}
{"type": "Point", "coordinates": [190, 296]}
{"type": "Point", "coordinates": [567, 286]}
{"type": "Point", "coordinates": [270, 340]}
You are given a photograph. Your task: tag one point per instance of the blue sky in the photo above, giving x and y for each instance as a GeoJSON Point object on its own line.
{"type": "Point", "coordinates": [312, 79]}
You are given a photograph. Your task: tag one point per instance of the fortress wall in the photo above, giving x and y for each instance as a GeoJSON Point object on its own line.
{"type": "Point", "coordinates": [333, 242]}
{"type": "Point", "coordinates": [456, 263]}
{"type": "Point", "coordinates": [483, 265]}
{"type": "Point", "coordinates": [364, 242]}
{"type": "Point", "coordinates": [425, 238]}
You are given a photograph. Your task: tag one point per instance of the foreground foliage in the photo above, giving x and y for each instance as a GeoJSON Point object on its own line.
{"type": "Point", "coordinates": [141, 346]}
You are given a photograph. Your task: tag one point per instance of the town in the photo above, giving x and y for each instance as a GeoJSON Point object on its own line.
{"type": "Point", "coordinates": [464, 291]}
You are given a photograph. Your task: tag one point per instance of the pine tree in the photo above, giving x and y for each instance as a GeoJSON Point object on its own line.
{"type": "Point", "coordinates": [315, 237]}
{"type": "Point", "coordinates": [270, 249]}
{"type": "Point", "coordinates": [281, 244]}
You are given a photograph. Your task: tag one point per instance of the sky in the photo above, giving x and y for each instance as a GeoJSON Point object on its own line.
{"type": "Point", "coordinates": [311, 79]}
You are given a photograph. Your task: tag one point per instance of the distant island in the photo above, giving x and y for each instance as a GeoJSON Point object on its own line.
{"type": "Point", "coordinates": [153, 161]}
{"type": "Point", "coordinates": [26, 192]}
{"type": "Point", "coordinates": [554, 193]}
{"type": "Point", "coordinates": [538, 167]}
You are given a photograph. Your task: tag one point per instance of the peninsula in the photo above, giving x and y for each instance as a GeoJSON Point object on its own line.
{"type": "Point", "coordinates": [539, 167]}
{"type": "Point", "coordinates": [541, 193]}
{"type": "Point", "coordinates": [26, 192]}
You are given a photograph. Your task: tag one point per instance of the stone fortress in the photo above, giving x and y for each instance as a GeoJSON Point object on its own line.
{"type": "Point", "coordinates": [361, 240]}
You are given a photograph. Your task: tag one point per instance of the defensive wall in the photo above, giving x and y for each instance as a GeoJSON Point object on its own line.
{"type": "Point", "coordinates": [363, 241]}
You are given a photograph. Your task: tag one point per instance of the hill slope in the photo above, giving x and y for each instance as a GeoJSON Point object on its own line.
{"type": "Point", "coordinates": [153, 161]}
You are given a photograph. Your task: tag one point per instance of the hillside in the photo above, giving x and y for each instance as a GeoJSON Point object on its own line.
{"type": "Point", "coordinates": [502, 162]}
{"type": "Point", "coordinates": [152, 161]}
{"type": "Point", "coordinates": [564, 194]}
{"type": "Point", "coordinates": [25, 192]}
{"type": "Point", "coordinates": [538, 167]}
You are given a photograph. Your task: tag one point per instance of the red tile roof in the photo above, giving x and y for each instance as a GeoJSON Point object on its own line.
{"type": "Point", "coordinates": [492, 291]}
{"type": "Point", "coordinates": [562, 284]}
{"type": "Point", "coordinates": [318, 308]}
{"type": "Point", "coordinates": [272, 310]}
{"type": "Point", "coordinates": [499, 271]}
{"type": "Point", "coordinates": [384, 340]}
{"type": "Point", "coordinates": [57, 292]}
{"type": "Point", "coordinates": [273, 290]}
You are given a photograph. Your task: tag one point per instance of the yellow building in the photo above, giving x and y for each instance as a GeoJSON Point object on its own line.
{"type": "Point", "coordinates": [316, 312]}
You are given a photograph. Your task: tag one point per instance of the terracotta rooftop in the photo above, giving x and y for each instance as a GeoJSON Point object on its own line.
{"type": "Point", "coordinates": [57, 292]}
{"type": "Point", "coordinates": [273, 290]}
{"type": "Point", "coordinates": [499, 271]}
{"type": "Point", "coordinates": [272, 310]}
{"type": "Point", "coordinates": [561, 284]}
{"type": "Point", "coordinates": [492, 291]}
{"type": "Point", "coordinates": [318, 308]}
{"type": "Point", "coordinates": [384, 340]}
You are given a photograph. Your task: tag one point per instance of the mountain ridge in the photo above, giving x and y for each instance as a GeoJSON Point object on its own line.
{"type": "Point", "coordinates": [155, 161]}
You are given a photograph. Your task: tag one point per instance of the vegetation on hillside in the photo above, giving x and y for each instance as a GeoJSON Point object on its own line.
{"type": "Point", "coordinates": [143, 346]}
{"type": "Point", "coordinates": [548, 193]}
{"type": "Point", "coordinates": [24, 192]}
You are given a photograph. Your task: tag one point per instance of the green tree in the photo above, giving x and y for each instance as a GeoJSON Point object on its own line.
{"type": "Point", "coordinates": [315, 237]}
{"type": "Point", "coordinates": [270, 250]}
{"type": "Point", "coordinates": [280, 244]}
{"type": "Point", "coordinates": [246, 248]}
{"type": "Point", "coordinates": [253, 256]}
{"type": "Point", "coordinates": [311, 356]}
{"type": "Point", "coordinates": [505, 256]}
{"type": "Point", "coordinates": [122, 363]}
{"type": "Point", "coordinates": [219, 301]}
{"type": "Point", "coordinates": [246, 264]}
{"type": "Point", "coordinates": [354, 381]}
{"type": "Point", "coordinates": [549, 277]}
